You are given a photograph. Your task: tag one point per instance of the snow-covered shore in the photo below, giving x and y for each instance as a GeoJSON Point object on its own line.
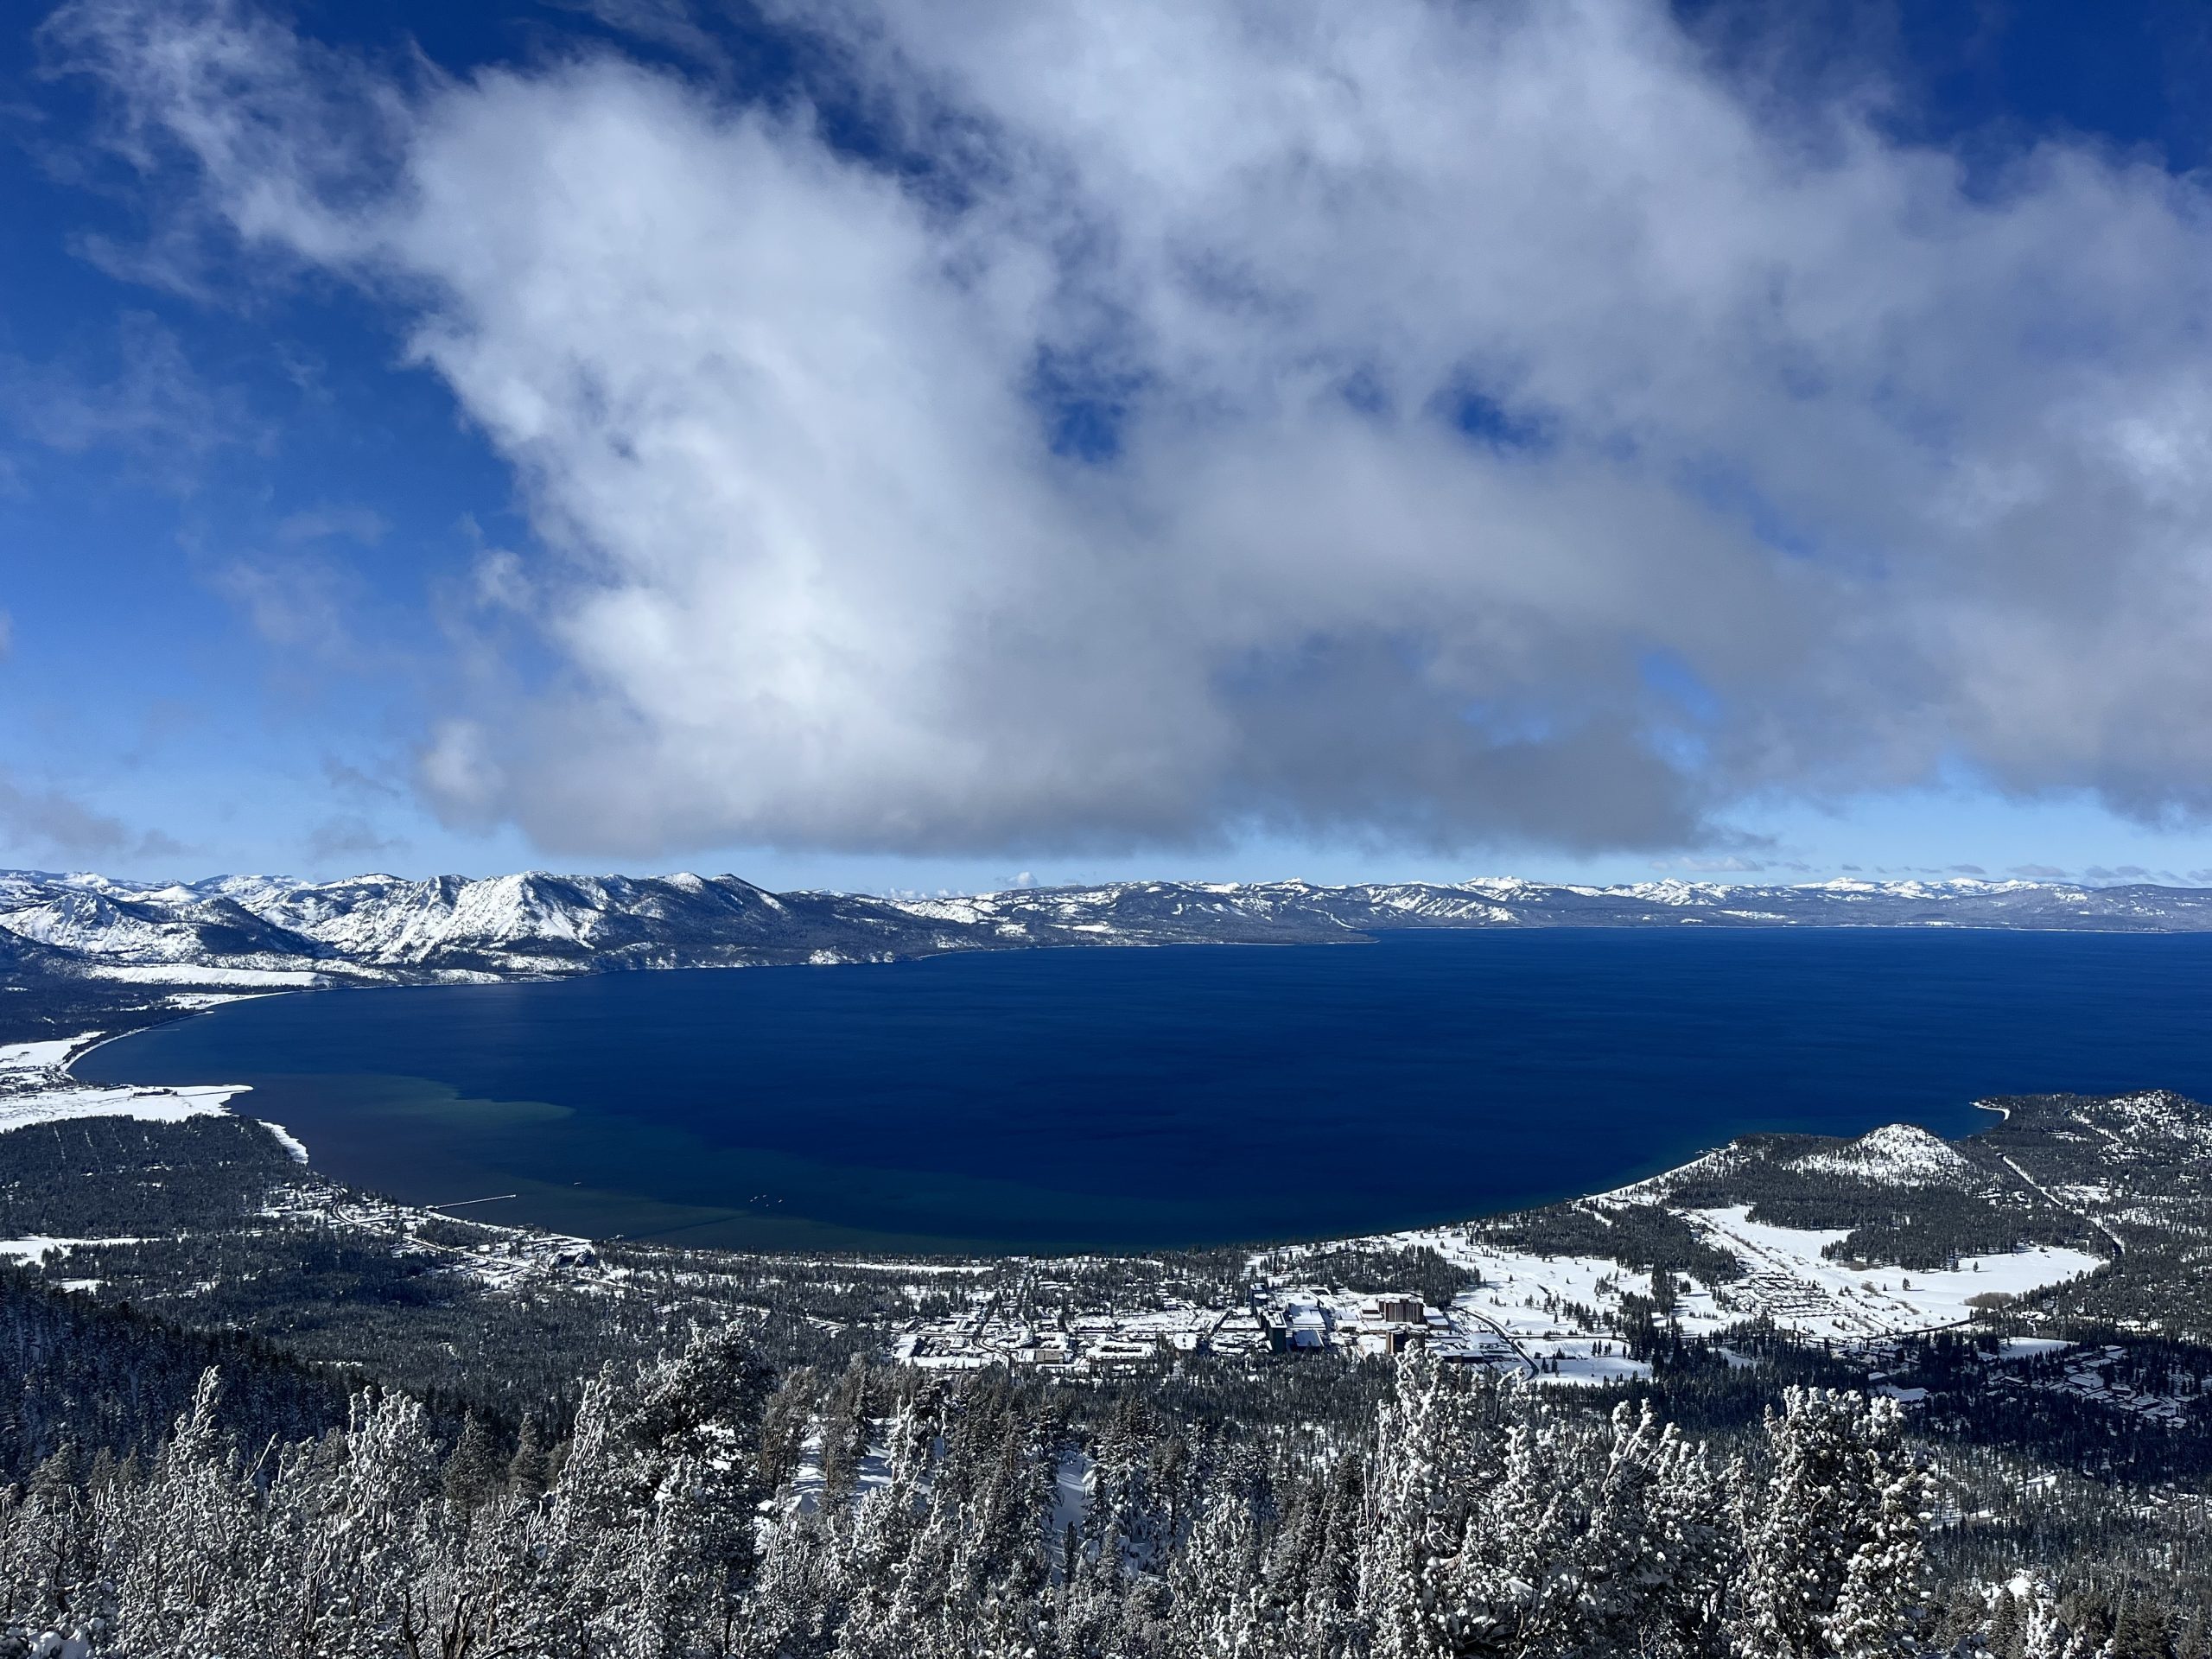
{"type": "Point", "coordinates": [37, 1087]}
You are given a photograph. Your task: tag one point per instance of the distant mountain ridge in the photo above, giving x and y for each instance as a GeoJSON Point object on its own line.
{"type": "Point", "coordinates": [242, 929]}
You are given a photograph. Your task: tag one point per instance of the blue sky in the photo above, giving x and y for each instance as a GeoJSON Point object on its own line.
{"type": "Point", "coordinates": [1227, 441]}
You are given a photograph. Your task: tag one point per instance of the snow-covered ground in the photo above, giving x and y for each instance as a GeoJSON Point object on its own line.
{"type": "Point", "coordinates": [1785, 1277]}
{"type": "Point", "coordinates": [1895, 1155]}
{"type": "Point", "coordinates": [1585, 1362]}
{"type": "Point", "coordinates": [1902, 1155]}
{"type": "Point", "coordinates": [35, 1087]}
{"type": "Point", "coordinates": [1559, 1318]}
{"type": "Point", "coordinates": [38, 1247]}
{"type": "Point", "coordinates": [54, 1105]}
{"type": "Point", "coordinates": [187, 972]}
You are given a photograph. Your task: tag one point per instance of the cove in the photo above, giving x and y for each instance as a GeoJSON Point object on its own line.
{"type": "Point", "coordinates": [1146, 1098]}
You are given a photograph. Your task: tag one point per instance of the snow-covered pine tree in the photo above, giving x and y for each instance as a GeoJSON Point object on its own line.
{"type": "Point", "coordinates": [473, 1469]}
{"type": "Point", "coordinates": [893, 1588]}
{"type": "Point", "coordinates": [1214, 1582]}
{"type": "Point", "coordinates": [1839, 1511]}
{"type": "Point", "coordinates": [1883, 1587]}
{"type": "Point", "coordinates": [2042, 1637]}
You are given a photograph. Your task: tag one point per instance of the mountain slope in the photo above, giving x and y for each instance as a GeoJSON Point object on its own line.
{"type": "Point", "coordinates": [534, 924]}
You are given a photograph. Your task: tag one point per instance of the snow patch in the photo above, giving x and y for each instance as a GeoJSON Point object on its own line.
{"type": "Point", "coordinates": [185, 973]}
{"type": "Point", "coordinates": [286, 1139]}
{"type": "Point", "coordinates": [42, 1056]}
{"type": "Point", "coordinates": [148, 1105]}
{"type": "Point", "coordinates": [36, 1248]}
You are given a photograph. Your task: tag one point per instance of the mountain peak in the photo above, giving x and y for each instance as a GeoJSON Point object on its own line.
{"type": "Point", "coordinates": [538, 922]}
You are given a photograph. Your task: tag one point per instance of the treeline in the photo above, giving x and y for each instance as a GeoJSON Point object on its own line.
{"type": "Point", "coordinates": [41, 1007]}
{"type": "Point", "coordinates": [1965, 1396]}
{"type": "Point", "coordinates": [383, 1292]}
{"type": "Point", "coordinates": [1642, 1237]}
{"type": "Point", "coordinates": [2162, 1283]}
{"type": "Point", "coordinates": [1369, 1269]}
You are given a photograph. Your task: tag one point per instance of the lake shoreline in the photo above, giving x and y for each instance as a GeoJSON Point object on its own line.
{"type": "Point", "coordinates": [1120, 1100]}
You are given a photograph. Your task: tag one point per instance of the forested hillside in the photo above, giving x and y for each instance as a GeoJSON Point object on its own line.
{"type": "Point", "coordinates": [687, 1517]}
{"type": "Point", "coordinates": [260, 1413]}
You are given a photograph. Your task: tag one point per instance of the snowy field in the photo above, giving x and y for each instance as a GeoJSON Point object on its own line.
{"type": "Point", "coordinates": [188, 973]}
{"type": "Point", "coordinates": [1785, 1277]}
{"type": "Point", "coordinates": [35, 1087]}
{"type": "Point", "coordinates": [36, 1248]}
{"type": "Point", "coordinates": [1786, 1274]}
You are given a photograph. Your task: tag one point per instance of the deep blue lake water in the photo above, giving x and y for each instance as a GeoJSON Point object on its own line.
{"type": "Point", "coordinates": [1141, 1098]}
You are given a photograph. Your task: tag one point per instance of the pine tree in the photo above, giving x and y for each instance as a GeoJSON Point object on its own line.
{"type": "Point", "coordinates": [527, 1469]}
{"type": "Point", "coordinates": [1884, 1584]}
{"type": "Point", "coordinates": [1831, 1538]}
{"type": "Point", "coordinates": [2140, 1632]}
{"type": "Point", "coordinates": [784, 1421]}
{"type": "Point", "coordinates": [1214, 1583]}
{"type": "Point", "coordinates": [471, 1471]}
{"type": "Point", "coordinates": [890, 1587]}
{"type": "Point", "coordinates": [844, 1429]}
{"type": "Point", "coordinates": [2042, 1637]}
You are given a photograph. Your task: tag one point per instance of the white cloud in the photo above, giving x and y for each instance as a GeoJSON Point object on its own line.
{"type": "Point", "coordinates": [41, 821]}
{"type": "Point", "coordinates": [362, 526]}
{"type": "Point", "coordinates": [348, 835]}
{"type": "Point", "coordinates": [502, 581]}
{"type": "Point", "coordinates": [150, 404]}
{"type": "Point", "coordinates": [298, 601]}
{"type": "Point", "coordinates": [1787, 465]}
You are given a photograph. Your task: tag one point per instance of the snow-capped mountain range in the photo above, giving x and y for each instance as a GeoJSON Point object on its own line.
{"type": "Point", "coordinates": [243, 930]}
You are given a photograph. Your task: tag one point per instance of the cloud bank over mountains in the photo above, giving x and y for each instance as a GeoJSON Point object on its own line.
{"type": "Point", "coordinates": [1440, 425]}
